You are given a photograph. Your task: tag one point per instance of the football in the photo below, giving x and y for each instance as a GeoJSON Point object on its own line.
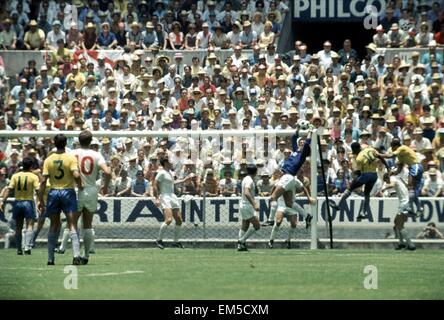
{"type": "Point", "coordinates": [304, 124]}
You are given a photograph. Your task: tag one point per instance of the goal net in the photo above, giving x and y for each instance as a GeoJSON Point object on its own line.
{"type": "Point", "coordinates": [209, 203]}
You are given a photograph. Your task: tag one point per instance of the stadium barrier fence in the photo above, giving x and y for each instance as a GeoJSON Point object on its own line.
{"type": "Point", "coordinates": [15, 60]}
{"type": "Point", "coordinates": [217, 219]}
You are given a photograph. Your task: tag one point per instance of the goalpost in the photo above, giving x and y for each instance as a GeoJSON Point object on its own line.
{"type": "Point", "coordinates": [257, 134]}
{"type": "Point", "coordinates": [314, 189]}
{"type": "Point", "coordinates": [316, 154]}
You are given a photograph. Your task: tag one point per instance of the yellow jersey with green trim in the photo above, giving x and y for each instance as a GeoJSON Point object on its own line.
{"type": "Point", "coordinates": [406, 155]}
{"type": "Point", "coordinates": [366, 161]}
{"type": "Point", "coordinates": [24, 185]}
{"type": "Point", "coordinates": [60, 168]}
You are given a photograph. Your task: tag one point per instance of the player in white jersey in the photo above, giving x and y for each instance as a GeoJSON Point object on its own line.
{"type": "Point", "coordinates": [292, 214]}
{"type": "Point", "coordinates": [169, 203]}
{"type": "Point", "coordinates": [248, 209]}
{"type": "Point", "coordinates": [404, 210]}
{"type": "Point", "coordinates": [90, 164]}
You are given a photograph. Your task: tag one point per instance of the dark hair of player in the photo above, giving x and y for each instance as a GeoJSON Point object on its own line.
{"type": "Point", "coordinates": [251, 170]}
{"type": "Point", "coordinates": [163, 161]}
{"type": "Point", "coordinates": [396, 143]}
{"type": "Point", "coordinates": [27, 164]}
{"type": "Point", "coordinates": [85, 138]}
{"type": "Point", "coordinates": [356, 147]}
{"type": "Point", "coordinates": [60, 141]}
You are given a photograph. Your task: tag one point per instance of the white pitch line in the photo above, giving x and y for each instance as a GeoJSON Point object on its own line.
{"type": "Point", "coordinates": [112, 273]}
{"type": "Point", "coordinates": [25, 268]}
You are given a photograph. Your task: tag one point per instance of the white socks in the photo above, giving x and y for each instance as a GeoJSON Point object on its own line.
{"type": "Point", "coordinates": [163, 226]}
{"type": "Point", "coordinates": [75, 243]}
{"type": "Point", "coordinates": [274, 231]}
{"type": "Point", "coordinates": [247, 234]}
{"type": "Point", "coordinates": [406, 238]}
{"type": "Point", "coordinates": [273, 209]}
{"type": "Point", "coordinates": [65, 238]}
{"type": "Point", "coordinates": [28, 239]}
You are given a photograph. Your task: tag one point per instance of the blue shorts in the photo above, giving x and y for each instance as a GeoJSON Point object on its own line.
{"type": "Point", "coordinates": [367, 177]}
{"type": "Point", "coordinates": [23, 208]}
{"type": "Point", "coordinates": [416, 172]}
{"type": "Point", "coordinates": [61, 200]}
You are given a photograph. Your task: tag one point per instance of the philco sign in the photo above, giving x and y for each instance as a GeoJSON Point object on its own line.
{"type": "Point", "coordinates": [335, 10]}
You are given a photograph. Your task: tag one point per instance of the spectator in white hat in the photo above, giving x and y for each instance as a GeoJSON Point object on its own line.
{"type": "Point", "coordinates": [247, 37]}
{"type": "Point", "coordinates": [234, 35]}
{"type": "Point", "coordinates": [203, 37]}
{"type": "Point", "coordinates": [425, 59]}
{"type": "Point", "coordinates": [179, 66]}
{"type": "Point", "coordinates": [419, 142]}
{"type": "Point", "coordinates": [35, 37]}
{"type": "Point", "coordinates": [54, 35]}
{"type": "Point", "coordinates": [209, 10]}
{"type": "Point", "coordinates": [74, 37]}
{"type": "Point", "coordinates": [325, 55]}
{"type": "Point", "coordinates": [380, 39]}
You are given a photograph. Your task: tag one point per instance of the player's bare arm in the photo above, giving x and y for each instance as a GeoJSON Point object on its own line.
{"type": "Point", "coordinates": [156, 193]}
{"type": "Point", "coordinates": [4, 197]}
{"type": "Point", "coordinates": [388, 154]}
{"type": "Point", "coordinates": [107, 177]}
{"type": "Point", "coordinates": [381, 158]}
{"type": "Point", "coordinates": [78, 179]}
{"type": "Point", "coordinates": [388, 186]}
{"type": "Point", "coordinates": [399, 168]}
{"type": "Point", "coordinates": [41, 193]}
{"type": "Point", "coordinates": [311, 200]}
{"type": "Point", "coordinates": [310, 133]}
{"type": "Point", "coordinates": [187, 178]}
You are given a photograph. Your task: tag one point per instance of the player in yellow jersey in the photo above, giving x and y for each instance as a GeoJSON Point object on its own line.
{"type": "Point", "coordinates": [63, 173]}
{"type": "Point", "coordinates": [407, 157]}
{"type": "Point", "coordinates": [25, 184]}
{"type": "Point", "coordinates": [365, 175]}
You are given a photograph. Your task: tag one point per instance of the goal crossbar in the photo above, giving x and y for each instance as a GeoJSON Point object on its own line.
{"type": "Point", "coordinates": [156, 133]}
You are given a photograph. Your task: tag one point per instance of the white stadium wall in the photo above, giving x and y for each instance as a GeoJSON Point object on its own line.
{"type": "Point", "coordinates": [218, 218]}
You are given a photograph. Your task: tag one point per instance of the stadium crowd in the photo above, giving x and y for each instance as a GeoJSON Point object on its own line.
{"type": "Point", "coordinates": [348, 97]}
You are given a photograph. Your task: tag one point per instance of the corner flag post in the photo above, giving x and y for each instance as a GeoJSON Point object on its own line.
{"type": "Point", "coordinates": [314, 190]}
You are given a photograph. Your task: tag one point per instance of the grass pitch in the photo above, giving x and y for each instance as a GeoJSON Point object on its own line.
{"type": "Point", "coordinates": [226, 274]}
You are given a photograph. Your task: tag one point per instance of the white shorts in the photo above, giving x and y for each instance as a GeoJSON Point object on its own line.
{"type": "Point", "coordinates": [246, 212]}
{"type": "Point", "coordinates": [282, 207]}
{"type": "Point", "coordinates": [287, 182]}
{"type": "Point", "coordinates": [169, 201]}
{"type": "Point", "coordinates": [404, 207]}
{"type": "Point", "coordinates": [88, 199]}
